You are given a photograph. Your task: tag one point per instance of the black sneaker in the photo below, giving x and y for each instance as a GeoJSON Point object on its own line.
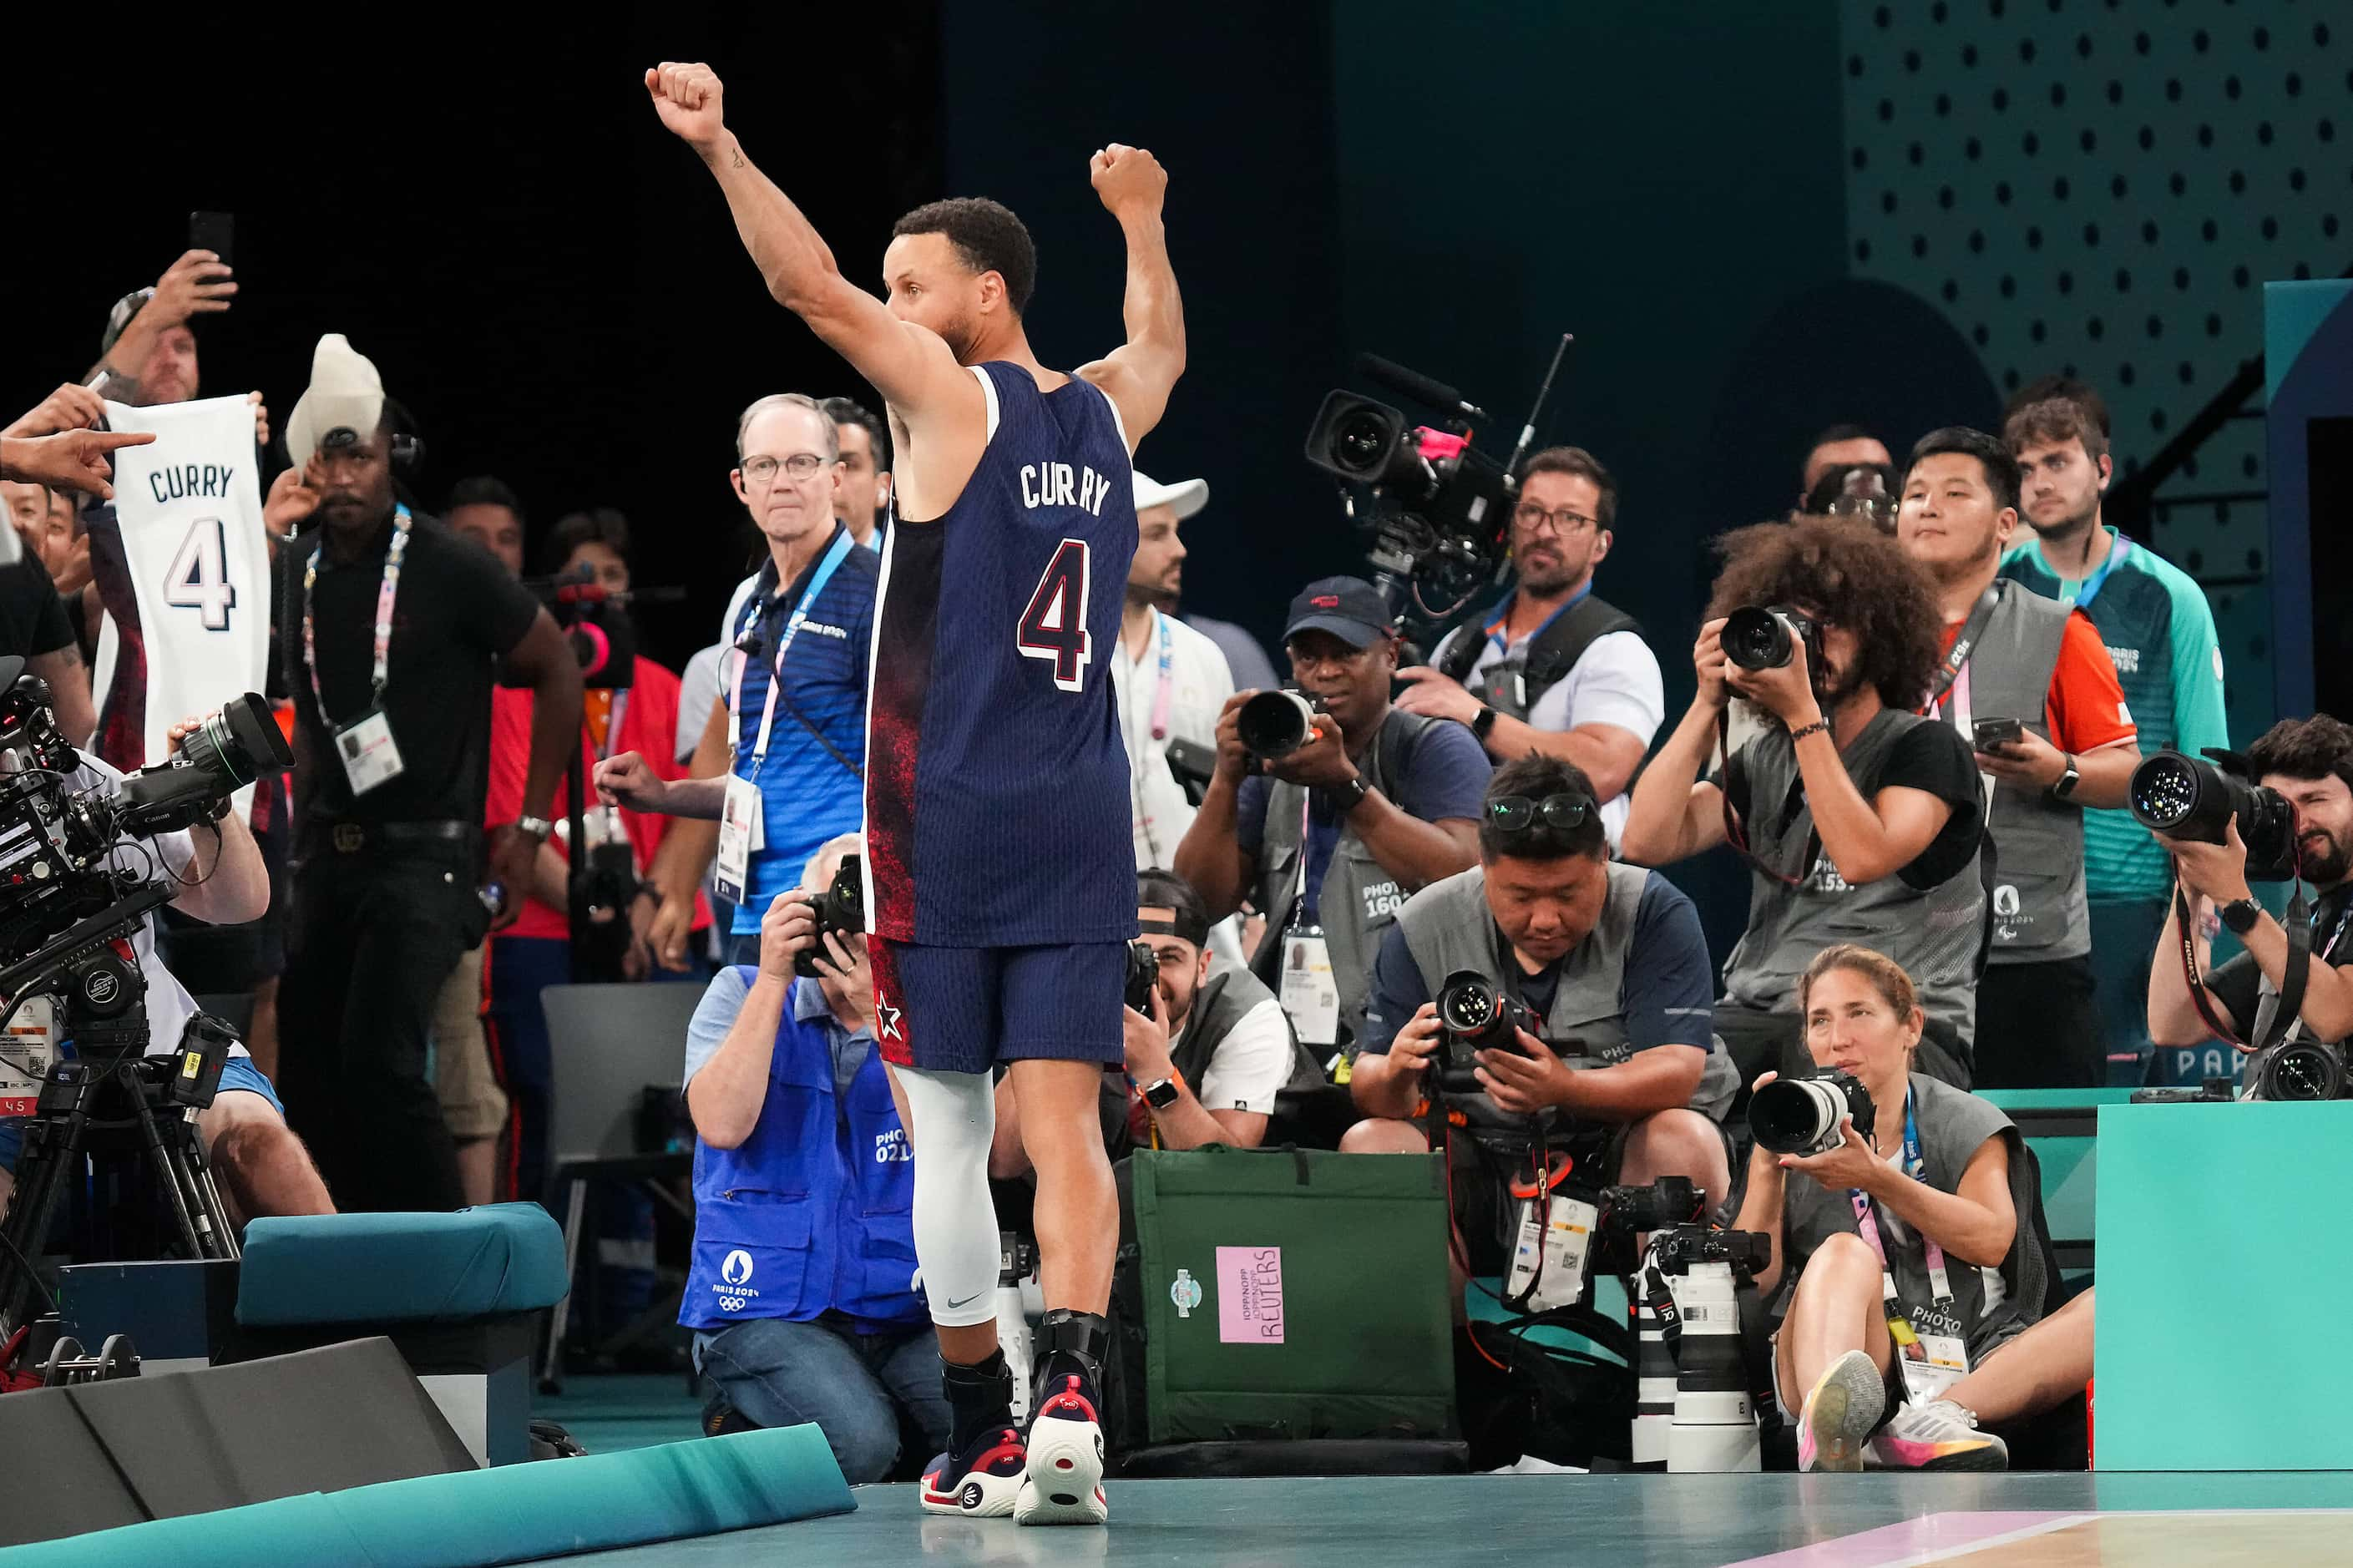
{"type": "Point", "coordinates": [980, 1483]}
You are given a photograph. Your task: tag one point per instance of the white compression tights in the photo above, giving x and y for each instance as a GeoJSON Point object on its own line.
{"type": "Point", "coordinates": [952, 1118]}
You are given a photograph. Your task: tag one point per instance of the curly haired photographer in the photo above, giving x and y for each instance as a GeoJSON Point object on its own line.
{"type": "Point", "coordinates": [1860, 819]}
{"type": "Point", "coordinates": [2310, 762]}
{"type": "Point", "coordinates": [1904, 1253]}
{"type": "Point", "coordinates": [1610, 958]}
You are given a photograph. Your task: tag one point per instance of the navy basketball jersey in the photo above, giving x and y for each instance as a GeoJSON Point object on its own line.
{"type": "Point", "coordinates": [996, 783]}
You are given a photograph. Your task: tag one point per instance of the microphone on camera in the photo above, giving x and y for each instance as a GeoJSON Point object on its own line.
{"type": "Point", "coordinates": [1416, 385]}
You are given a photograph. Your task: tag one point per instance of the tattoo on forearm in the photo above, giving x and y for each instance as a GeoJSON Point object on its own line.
{"type": "Point", "coordinates": [736, 155]}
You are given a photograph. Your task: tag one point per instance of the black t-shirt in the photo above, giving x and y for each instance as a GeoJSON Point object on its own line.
{"type": "Point", "coordinates": [32, 617]}
{"type": "Point", "coordinates": [457, 614]}
{"type": "Point", "coordinates": [2238, 983]}
{"type": "Point", "coordinates": [1931, 757]}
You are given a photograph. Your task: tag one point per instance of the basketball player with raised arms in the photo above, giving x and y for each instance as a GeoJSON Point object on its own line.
{"type": "Point", "coordinates": [1000, 871]}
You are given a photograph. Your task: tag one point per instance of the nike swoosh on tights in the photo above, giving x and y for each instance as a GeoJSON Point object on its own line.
{"type": "Point", "coordinates": [968, 1300]}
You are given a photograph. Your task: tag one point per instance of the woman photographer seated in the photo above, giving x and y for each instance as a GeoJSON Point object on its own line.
{"type": "Point", "coordinates": [1901, 1260]}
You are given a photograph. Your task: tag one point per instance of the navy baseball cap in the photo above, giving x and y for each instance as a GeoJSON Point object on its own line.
{"type": "Point", "coordinates": [1348, 608]}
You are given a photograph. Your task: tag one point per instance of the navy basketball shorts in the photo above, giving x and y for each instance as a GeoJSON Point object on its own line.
{"type": "Point", "coordinates": [965, 1009]}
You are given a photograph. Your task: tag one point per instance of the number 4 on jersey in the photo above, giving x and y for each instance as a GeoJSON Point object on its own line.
{"type": "Point", "coordinates": [1054, 627]}
{"type": "Point", "coordinates": [198, 578]}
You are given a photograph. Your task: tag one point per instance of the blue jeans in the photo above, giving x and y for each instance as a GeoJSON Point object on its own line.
{"type": "Point", "coordinates": [854, 1386]}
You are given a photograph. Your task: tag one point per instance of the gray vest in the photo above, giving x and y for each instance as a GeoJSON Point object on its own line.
{"type": "Point", "coordinates": [2039, 908]}
{"type": "Point", "coordinates": [1359, 899]}
{"type": "Point", "coordinates": [1934, 933]}
{"type": "Point", "coordinates": [1448, 929]}
{"type": "Point", "coordinates": [1990, 1306]}
{"type": "Point", "coordinates": [1227, 997]}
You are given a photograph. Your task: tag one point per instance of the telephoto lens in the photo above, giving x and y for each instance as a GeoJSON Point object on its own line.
{"type": "Point", "coordinates": [1800, 1115]}
{"type": "Point", "coordinates": [1275, 723]}
{"type": "Point", "coordinates": [1142, 973]}
{"type": "Point", "coordinates": [1755, 638]}
{"type": "Point", "coordinates": [2188, 797]}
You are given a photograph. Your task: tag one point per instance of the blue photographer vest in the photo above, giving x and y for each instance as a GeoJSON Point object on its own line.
{"type": "Point", "coordinates": [814, 1212]}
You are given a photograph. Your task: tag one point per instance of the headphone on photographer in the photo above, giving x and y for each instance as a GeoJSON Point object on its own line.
{"type": "Point", "coordinates": [406, 447]}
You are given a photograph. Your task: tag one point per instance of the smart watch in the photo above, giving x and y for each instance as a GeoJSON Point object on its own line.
{"type": "Point", "coordinates": [1482, 724]}
{"type": "Point", "coordinates": [1162, 1094]}
{"type": "Point", "coordinates": [1346, 797]}
{"type": "Point", "coordinates": [2239, 915]}
{"type": "Point", "coordinates": [2066, 784]}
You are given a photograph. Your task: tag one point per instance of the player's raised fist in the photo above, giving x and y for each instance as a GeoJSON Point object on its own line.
{"type": "Point", "coordinates": [1128, 178]}
{"type": "Point", "coordinates": [687, 97]}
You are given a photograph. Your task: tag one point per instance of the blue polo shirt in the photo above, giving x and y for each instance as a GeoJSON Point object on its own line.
{"type": "Point", "coordinates": [811, 783]}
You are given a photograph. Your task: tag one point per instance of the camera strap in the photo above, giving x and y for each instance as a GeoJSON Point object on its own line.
{"type": "Point", "coordinates": [2287, 1019]}
{"type": "Point", "coordinates": [388, 594]}
{"type": "Point", "coordinates": [1956, 658]}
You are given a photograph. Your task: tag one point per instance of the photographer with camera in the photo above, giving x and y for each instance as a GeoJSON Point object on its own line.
{"type": "Point", "coordinates": [2308, 763]}
{"type": "Point", "coordinates": [2030, 683]}
{"type": "Point", "coordinates": [1858, 817]}
{"type": "Point", "coordinates": [219, 878]}
{"type": "Point", "coordinates": [1900, 1213]}
{"type": "Point", "coordinates": [1610, 974]}
{"type": "Point", "coordinates": [1553, 669]}
{"type": "Point", "coordinates": [397, 631]}
{"type": "Point", "coordinates": [801, 1293]}
{"type": "Point", "coordinates": [1330, 818]}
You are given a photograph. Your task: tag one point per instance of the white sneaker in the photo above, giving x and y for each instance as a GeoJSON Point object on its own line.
{"type": "Point", "coordinates": [1841, 1409]}
{"type": "Point", "coordinates": [1937, 1437]}
{"type": "Point", "coordinates": [1063, 1484]}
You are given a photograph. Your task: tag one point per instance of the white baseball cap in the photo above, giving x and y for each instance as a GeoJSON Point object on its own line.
{"type": "Point", "coordinates": [1187, 496]}
{"type": "Point", "coordinates": [345, 392]}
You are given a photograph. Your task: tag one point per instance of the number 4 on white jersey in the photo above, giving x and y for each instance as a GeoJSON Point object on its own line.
{"type": "Point", "coordinates": [198, 577]}
{"type": "Point", "coordinates": [1054, 627]}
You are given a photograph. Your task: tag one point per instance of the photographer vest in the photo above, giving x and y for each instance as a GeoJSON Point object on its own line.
{"type": "Point", "coordinates": [1448, 929]}
{"type": "Point", "coordinates": [1359, 899]}
{"type": "Point", "coordinates": [2039, 907]}
{"type": "Point", "coordinates": [1515, 683]}
{"type": "Point", "coordinates": [1988, 1307]}
{"type": "Point", "coordinates": [1935, 933]}
{"type": "Point", "coordinates": [1224, 1000]}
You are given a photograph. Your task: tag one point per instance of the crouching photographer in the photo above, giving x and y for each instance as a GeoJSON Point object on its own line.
{"type": "Point", "coordinates": [67, 877]}
{"type": "Point", "coordinates": [1860, 819]}
{"type": "Point", "coordinates": [1902, 1213]}
{"type": "Point", "coordinates": [1551, 993]}
{"type": "Point", "coordinates": [801, 1292]}
{"type": "Point", "coordinates": [2289, 813]}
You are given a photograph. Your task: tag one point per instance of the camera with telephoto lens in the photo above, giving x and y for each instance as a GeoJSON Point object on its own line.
{"type": "Point", "coordinates": [2190, 798]}
{"type": "Point", "coordinates": [1474, 1015]}
{"type": "Point", "coordinates": [1666, 1203]}
{"type": "Point", "coordinates": [1765, 637]}
{"type": "Point", "coordinates": [1273, 724]}
{"type": "Point", "coordinates": [839, 910]}
{"type": "Point", "coordinates": [1800, 1115]}
{"type": "Point", "coordinates": [2299, 1069]}
{"type": "Point", "coordinates": [1142, 974]}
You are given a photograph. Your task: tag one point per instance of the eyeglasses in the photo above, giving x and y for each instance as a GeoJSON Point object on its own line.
{"type": "Point", "coordinates": [1519, 814]}
{"type": "Point", "coordinates": [800, 466]}
{"type": "Point", "coordinates": [1530, 517]}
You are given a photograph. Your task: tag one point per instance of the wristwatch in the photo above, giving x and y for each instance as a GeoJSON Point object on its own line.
{"type": "Point", "coordinates": [537, 827]}
{"type": "Point", "coordinates": [1162, 1094]}
{"type": "Point", "coordinates": [1346, 797]}
{"type": "Point", "coordinates": [1482, 724]}
{"type": "Point", "coordinates": [2068, 780]}
{"type": "Point", "coordinates": [2239, 915]}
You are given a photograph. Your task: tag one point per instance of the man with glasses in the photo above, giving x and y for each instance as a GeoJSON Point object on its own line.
{"type": "Point", "coordinates": [1553, 669]}
{"type": "Point", "coordinates": [1607, 957]}
{"type": "Point", "coordinates": [1328, 840]}
{"type": "Point", "coordinates": [794, 684]}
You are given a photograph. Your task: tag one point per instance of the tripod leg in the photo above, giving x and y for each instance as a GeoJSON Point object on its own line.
{"type": "Point", "coordinates": [195, 1223]}
{"type": "Point", "coordinates": [208, 1199]}
{"type": "Point", "coordinates": [52, 1153]}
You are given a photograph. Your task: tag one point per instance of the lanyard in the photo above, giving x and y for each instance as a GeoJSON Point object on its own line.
{"type": "Point", "coordinates": [386, 593]}
{"type": "Point", "coordinates": [2090, 587]}
{"type": "Point", "coordinates": [1497, 635]}
{"type": "Point", "coordinates": [1959, 659]}
{"type": "Point", "coordinates": [1866, 1220]}
{"type": "Point", "coordinates": [615, 716]}
{"type": "Point", "coordinates": [1168, 679]}
{"type": "Point", "coordinates": [842, 545]}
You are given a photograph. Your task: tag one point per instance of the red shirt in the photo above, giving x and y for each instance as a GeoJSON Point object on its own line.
{"type": "Point", "coordinates": [648, 727]}
{"type": "Point", "coordinates": [2085, 705]}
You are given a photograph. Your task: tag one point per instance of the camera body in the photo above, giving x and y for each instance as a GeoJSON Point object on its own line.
{"type": "Point", "coordinates": [1474, 1015]}
{"type": "Point", "coordinates": [1667, 1203]}
{"type": "Point", "coordinates": [2193, 797]}
{"type": "Point", "coordinates": [1765, 637]}
{"type": "Point", "coordinates": [1142, 974]}
{"type": "Point", "coordinates": [1800, 1115]}
{"type": "Point", "coordinates": [839, 910]}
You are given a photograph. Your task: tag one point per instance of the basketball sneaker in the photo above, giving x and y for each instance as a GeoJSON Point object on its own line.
{"type": "Point", "coordinates": [1937, 1437]}
{"type": "Point", "coordinates": [980, 1483]}
{"type": "Point", "coordinates": [1064, 1480]}
{"type": "Point", "coordinates": [1840, 1412]}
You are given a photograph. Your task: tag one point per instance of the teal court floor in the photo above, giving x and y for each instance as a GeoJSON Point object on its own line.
{"type": "Point", "coordinates": [2278, 1519]}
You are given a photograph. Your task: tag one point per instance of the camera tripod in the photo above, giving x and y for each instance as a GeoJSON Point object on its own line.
{"type": "Point", "coordinates": [112, 1102]}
